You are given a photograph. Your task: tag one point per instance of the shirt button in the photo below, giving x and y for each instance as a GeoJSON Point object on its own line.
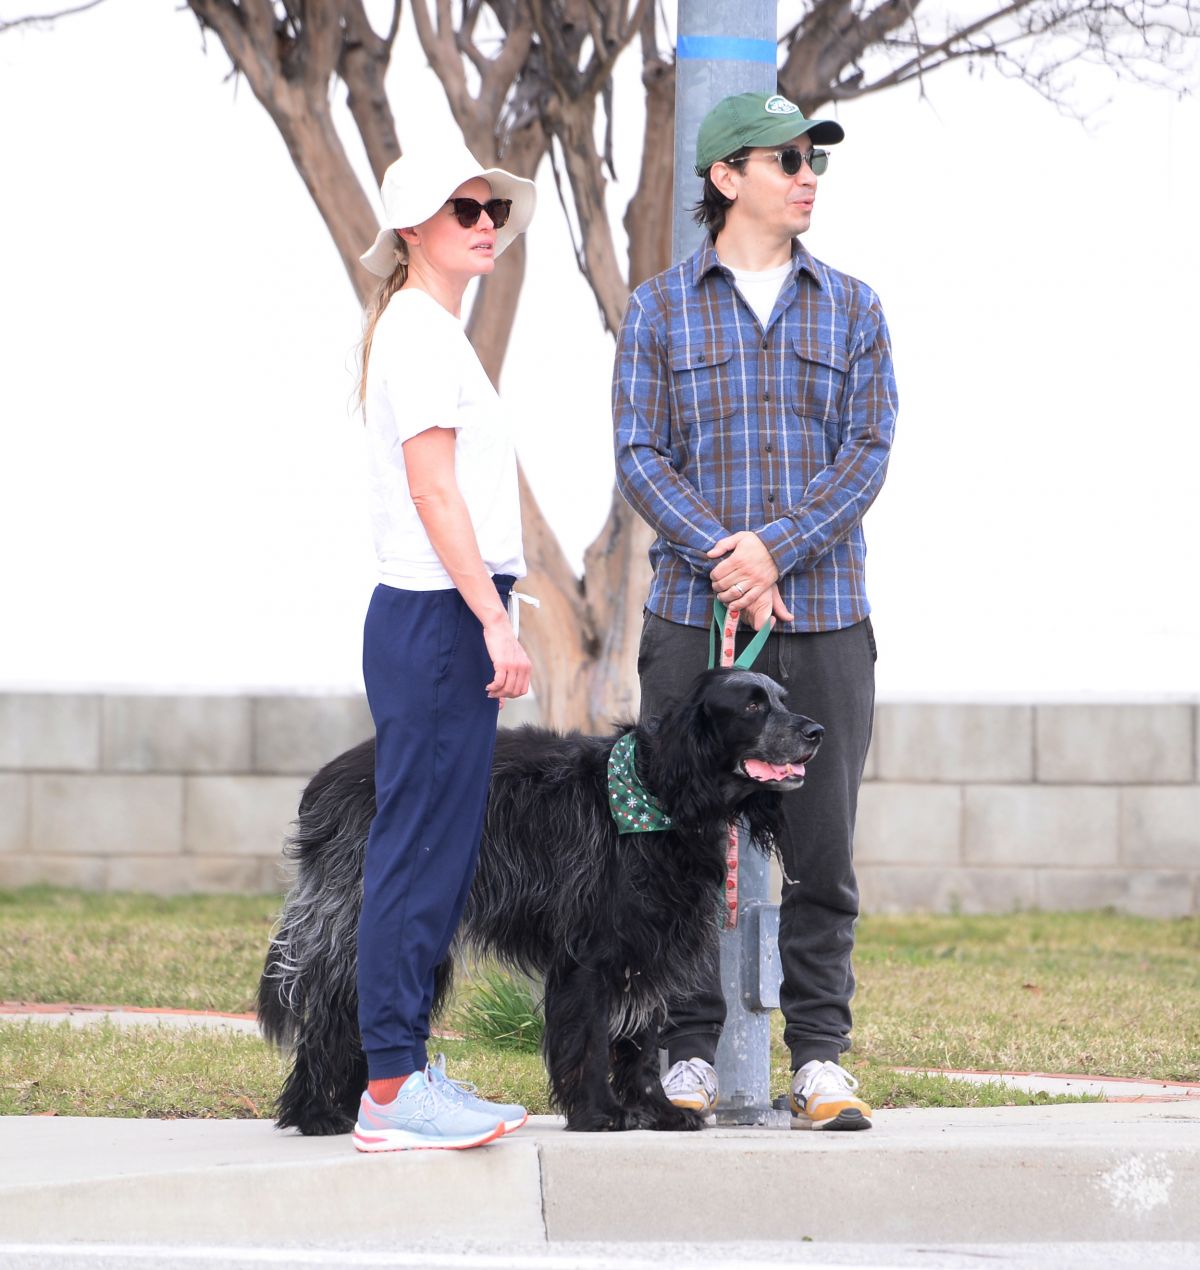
{"type": "Point", "coordinates": [765, 341]}
{"type": "Point", "coordinates": [768, 447]}
{"type": "Point", "coordinates": [766, 396]}
{"type": "Point", "coordinates": [771, 497]}
{"type": "Point", "coordinates": [701, 360]}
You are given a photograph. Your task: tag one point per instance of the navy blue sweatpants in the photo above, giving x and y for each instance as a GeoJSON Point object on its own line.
{"type": "Point", "coordinates": [426, 670]}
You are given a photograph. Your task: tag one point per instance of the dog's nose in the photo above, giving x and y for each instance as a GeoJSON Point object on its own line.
{"type": "Point", "coordinates": [812, 732]}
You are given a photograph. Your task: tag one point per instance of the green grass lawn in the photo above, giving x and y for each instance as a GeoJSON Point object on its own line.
{"type": "Point", "coordinates": [1093, 993]}
{"type": "Point", "coordinates": [200, 952]}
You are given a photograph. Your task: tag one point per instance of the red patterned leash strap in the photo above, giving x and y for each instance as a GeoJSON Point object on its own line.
{"type": "Point", "coordinates": [731, 877]}
{"type": "Point", "coordinates": [724, 627]}
{"type": "Point", "coordinates": [727, 623]}
{"type": "Point", "coordinates": [728, 632]}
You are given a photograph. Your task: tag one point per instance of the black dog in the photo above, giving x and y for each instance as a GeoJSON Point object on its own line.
{"type": "Point", "coordinates": [615, 923]}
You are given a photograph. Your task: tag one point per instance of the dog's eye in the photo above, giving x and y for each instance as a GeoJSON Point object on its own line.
{"type": "Point", "coordinates": [753, 707]}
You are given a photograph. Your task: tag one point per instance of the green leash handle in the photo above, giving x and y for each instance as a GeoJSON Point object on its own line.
{"type": "Point", "coordinates": [716, 635]}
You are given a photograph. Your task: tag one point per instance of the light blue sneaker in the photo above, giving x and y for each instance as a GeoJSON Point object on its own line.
{"type": "Point", "coordinates": [513, 1114]}
{"type": "Point", "coordinates": [422, 1117]}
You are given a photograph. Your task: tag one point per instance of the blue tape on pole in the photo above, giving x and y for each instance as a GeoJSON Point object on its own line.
{"type": "Point", "coordinates": [722, 48]}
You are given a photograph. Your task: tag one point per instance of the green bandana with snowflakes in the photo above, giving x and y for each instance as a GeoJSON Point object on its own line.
{"type": "Point", "coordinates": [633, 807]}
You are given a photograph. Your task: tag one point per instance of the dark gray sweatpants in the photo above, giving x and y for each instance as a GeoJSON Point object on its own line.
{"type": "Point", "coordinates": [829, 676]}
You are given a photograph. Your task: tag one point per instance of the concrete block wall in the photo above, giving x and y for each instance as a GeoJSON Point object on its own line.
{"type": "Point", "coordinates": [167, 794]}
{"type": "Point", "coordinates": [986, 808]}
{"type": "Point", "coordinates": [982, 808]}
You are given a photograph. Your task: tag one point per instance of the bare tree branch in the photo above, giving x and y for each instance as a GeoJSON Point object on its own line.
{"type": "Point", "coordinates": [648, 218]}
{"type": "Point", "coordinates": [45, 19]}
{"type": "Point", "coordinates": [826, 50]}
{"type": "Point", "coordinates": [362, 66]}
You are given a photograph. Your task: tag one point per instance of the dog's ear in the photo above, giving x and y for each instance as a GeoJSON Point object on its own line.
{"type": "Point", "coordinates": [688, 763]}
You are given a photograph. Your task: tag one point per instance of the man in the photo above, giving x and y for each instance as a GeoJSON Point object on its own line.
{"type": "Point", "coordinates": [754, 406]}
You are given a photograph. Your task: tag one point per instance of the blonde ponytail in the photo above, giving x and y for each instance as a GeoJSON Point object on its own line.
{"type": "Point", "coordinates": [388, 288]}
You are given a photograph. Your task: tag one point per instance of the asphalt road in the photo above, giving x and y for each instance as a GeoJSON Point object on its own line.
{"type": "Point", "coordinates": [613, 1256]}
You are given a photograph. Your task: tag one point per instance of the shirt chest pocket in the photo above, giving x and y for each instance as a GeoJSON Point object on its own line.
{"type": "Point", "coordinates": [819, 373]}
{"type": "Point", "coordinates": [701, 382]}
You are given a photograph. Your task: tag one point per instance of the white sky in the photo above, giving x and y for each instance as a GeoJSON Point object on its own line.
{"type": "Point", "coordinates": [180, 482]}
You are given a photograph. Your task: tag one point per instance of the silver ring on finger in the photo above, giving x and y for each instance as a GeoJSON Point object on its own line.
{"type": "Point", "coordinates": [740, 588]}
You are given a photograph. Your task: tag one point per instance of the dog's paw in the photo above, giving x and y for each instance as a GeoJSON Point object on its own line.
{"type": "Point", "coordinates": [635, 1118]}
{"type": "Point", "coordinates": [672, 1119]}
{"type": "Point", "coordinates": [326, 1125]}
{"type": "Point", "coordinates": [618, 1120]}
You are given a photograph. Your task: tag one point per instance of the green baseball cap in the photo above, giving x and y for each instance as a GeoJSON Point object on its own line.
{"type": "Point", "coordinates": [756, 119]}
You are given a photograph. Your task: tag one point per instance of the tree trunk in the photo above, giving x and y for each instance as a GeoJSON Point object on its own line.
{"type": "Point", "coordinates": [317, 152]}
{"type": "Point", "coordinates": [558, 636]}
{"type": "Point", "coordinates": [573, 123]}
{"type": "Point", "coordinates": [494, 311]}
{"type": "Point", "coordinates": [290, 77]}
{"type": "Point", "coordinates": [649, 216]}
{"type": "Point", "coordinates": [616, 578]}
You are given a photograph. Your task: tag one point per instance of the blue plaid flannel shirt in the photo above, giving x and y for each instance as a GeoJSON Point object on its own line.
{"type": "Point", "coordinates": [721, 426]}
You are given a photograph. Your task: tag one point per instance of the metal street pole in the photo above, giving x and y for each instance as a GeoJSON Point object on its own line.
{"type": "Point", "coordinates": [726, 47]}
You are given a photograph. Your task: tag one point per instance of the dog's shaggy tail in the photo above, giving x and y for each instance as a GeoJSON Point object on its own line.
{"type": "Point", "coordinates": [280, 989]}
{"type": "Point", "coordinates": [308, 993]}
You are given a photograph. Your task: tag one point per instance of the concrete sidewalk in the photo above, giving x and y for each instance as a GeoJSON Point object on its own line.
{"type": "Point", "coordinates": [1127, 1170]}
{"type": "Point", "coordinates": [1090, 1172]}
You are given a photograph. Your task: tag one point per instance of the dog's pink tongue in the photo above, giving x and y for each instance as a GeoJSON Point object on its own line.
{"type": "Point", "coordinates": [761, 771]}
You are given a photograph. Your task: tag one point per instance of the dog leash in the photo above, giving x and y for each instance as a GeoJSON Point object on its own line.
{"type": "Point", "coordinates": [721, 633]}
{"type": "Point", "coordinates": [723, 629]}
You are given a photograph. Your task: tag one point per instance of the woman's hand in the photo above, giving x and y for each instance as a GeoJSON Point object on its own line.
{"type": "Point", "coordinates": [511, 666]}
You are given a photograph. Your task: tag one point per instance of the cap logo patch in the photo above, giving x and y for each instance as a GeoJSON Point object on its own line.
{"type": "Point", "coordinates": [781, 106]}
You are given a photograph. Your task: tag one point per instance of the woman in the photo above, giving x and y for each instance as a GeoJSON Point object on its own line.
{"type": "Point", "coordinates": [439, 652]}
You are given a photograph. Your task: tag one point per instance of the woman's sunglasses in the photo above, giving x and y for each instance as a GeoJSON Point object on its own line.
{"type": "Point", "coordinates": [467, 210]}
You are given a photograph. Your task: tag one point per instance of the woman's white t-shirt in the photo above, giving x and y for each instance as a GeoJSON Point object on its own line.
{"type": "Point", "coordinates": [423, 373]}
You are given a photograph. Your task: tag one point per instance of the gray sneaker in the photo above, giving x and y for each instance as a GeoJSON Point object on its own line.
{"type": "Point", "coordinates": [692, 1083]}
{"type": "Point", "coordinates": [466, 1094]}
{"type": "Point", "coordinates": [421, 1117]}
{"type": "Point", "coordinates": [823, 1097]}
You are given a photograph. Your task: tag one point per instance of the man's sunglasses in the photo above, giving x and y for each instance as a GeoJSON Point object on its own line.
{"type": "Point", "coordinates": [792, 160]}
{"type": "Point", "coordinates": [467, 210]}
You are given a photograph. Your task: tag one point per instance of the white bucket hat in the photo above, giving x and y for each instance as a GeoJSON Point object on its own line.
{"type": "Point", "coordinates": [417, 184]}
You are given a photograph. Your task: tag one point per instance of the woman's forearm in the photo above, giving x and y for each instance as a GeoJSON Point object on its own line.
{"type": "Point", "coordinates": [447, 522]}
